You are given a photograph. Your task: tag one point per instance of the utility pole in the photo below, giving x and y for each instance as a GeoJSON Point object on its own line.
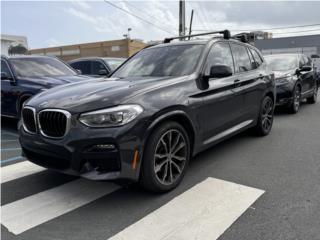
{"type": "Point", "coordinates": [127, 35]}
{"type": "Point", "coordinates": [182, 18]}
{"type": "Point", "coordinates": [190, 26]}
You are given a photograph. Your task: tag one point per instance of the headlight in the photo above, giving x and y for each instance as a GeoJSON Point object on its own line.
{"type": "Point", "coordinates": [111, 117]}
{"type": "Point", "coordinates": [284, 79]}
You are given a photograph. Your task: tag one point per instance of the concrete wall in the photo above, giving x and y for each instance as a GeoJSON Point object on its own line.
{"type": "Point", "coordinates": [304, 44]}
{"type": "Point", "coordinates": [117, 48]}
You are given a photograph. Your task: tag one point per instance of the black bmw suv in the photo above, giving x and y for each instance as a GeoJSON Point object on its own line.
{"type": "Point", "coordinates": [163, 106]}
{"type": "Point", "coordinates": [295, 79]}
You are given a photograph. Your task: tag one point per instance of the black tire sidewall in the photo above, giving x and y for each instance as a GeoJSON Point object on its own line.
{"type": "Point", "coordinates": [148, 178]}
{"type": "Point", "coordinates": [292, 107]}
{"type": "Point", "coordinates": [260, 128]}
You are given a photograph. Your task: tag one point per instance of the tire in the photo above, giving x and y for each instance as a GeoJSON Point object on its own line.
{"type": "Point", "coordinates": [313, 99]}
{"type": "Point", "coordinates": [295, 104]}
{"type": "Point", "coordinates": [161, 170]}
{"type": "Point", "coordinates": [265, 119]}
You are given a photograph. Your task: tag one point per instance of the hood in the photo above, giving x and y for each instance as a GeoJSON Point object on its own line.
{"type": "Point", "coordinates": [96, 94]}
{"type": "Point", "coordinates": [53, 81]}
{"type": "Point", "coordinates": [282, 74]}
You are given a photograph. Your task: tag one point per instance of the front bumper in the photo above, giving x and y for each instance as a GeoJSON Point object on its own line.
{"type": "Point", "coordinates": [284, 93]}
{"type": "Point", "coordinates": [79, 152]}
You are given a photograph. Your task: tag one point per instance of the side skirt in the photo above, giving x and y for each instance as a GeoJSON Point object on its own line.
{"type": "Point", "coordinates": [227, 132]}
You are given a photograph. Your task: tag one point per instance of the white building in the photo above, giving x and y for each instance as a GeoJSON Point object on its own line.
{"type": "Point", "coordinates": [8, 40]}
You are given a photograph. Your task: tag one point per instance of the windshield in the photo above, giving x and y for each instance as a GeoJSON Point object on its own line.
{"type": "Point", "coordinates": [177, 60]}
{"type": "Point", "coordinates": [114, 63]}
{"type": "Point", "coordinates": [282, 63]}
{"type": "Point", "coordinates": [40, 67]}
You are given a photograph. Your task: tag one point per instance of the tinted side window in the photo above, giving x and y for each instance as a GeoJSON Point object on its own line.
{"type": "Point", "coordinates": [301, 62]}
{"type": "Point", "coordinates": [252, 61]}
{"type": "Point", "coordinates": [83, 66]}
{"type": "Point", "coordinates": [256, 57]}
{"type": "Point", "coordinates": [307, 61]}
{"type": "Point", "coordinates": [5, 68]}
{"type": "Point", "coordinates": [241, 57]}
{"type": "Point", "coordinates": [220, 54]}
{"type": "Point", "coordinates": [96, 67]}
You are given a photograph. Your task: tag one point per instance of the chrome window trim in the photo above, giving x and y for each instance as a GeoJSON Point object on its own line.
{"type": "Point", "coordinates": [34, 118]}
{"type": "Point", "coordinates": [68, 124]}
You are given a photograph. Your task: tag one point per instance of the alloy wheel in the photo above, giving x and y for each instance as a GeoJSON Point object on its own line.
{"type": "Point", "coordinates": [315, 93]}
{"type": "Point", "coordinates": [267, 115]}
{"type": "Point", "coordinates": [170, 156]}
{"type": "Point", "coordinates": [297, 98]}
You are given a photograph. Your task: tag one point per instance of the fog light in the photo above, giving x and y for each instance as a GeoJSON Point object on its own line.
{"type": "Point", "coordinates": [105, 146]}
{"type": "Point", "coordinates": [101, 147]}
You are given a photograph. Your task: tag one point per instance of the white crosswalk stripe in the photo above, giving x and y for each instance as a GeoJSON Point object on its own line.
{"type": "Point", "coordinates": [19, 170]}
{"type": "Point", "coordinates": [203, 212]}
{"type": "Point", "coordinates": [24, 214]}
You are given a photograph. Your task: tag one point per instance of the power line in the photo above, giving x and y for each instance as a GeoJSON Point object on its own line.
{"type": "Point", "coordinates": [140, 18]}
{"type": "Point", "coordinates": [147, 14]}
{"type": "Point", "coordinates": [265, 29]}
{"type": "Point", "coordinates": [199, 16]}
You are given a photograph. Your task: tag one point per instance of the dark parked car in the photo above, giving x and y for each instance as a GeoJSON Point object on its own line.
{"type": "Point", "coordinates": [25, 76]}
{"type": "Point", "coordinates": [96, 67]}
{"type": "Point", "coordinates": [295, 79]}
{"type": "Point", "coordinates": [163, 106]}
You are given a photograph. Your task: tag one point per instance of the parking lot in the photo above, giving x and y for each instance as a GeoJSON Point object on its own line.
{"type": "Point", "coordinates": [279, 174]}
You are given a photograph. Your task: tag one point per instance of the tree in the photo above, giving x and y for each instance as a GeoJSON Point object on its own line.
{"type": "Point", "coordinates": [18, 49]}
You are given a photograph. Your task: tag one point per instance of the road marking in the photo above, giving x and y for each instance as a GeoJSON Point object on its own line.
{"type": "Point", "coordinates": [11, 140]}
{"type": "Point", "coordinates": [34, 210]}
{"type": "Point", "coordinates": [19, 170]}
{"type": "Point", "coordinates": [9, 133]}
{"type": "Point", "coordinates": [203, 212]}
{"type": "Point", "coordinates": [11, 159]}
{"type": "Point", "coordinates": [10, 149]}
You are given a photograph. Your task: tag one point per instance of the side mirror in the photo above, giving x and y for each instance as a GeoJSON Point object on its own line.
{"type": "Point", "coordinates": [5, 76]}
{"type": "Point", "coordinates": [220, 71]}
{"type": "Point", "coordinates": [103, 72]}
{"type": "Point", "coordinates": [79, 71]}
{"type": "Point", "coordinates": [304, 69]}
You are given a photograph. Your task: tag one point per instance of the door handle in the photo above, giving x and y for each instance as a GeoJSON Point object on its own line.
{"type": "Point", "coordinates": [236, 81]}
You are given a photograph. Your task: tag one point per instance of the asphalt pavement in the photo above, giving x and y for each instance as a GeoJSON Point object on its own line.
{"type": "Point", "coordinates": [244, 188]}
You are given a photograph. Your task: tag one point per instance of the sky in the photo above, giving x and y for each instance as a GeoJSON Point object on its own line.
{"type": "Point", "coordinates": [55, 23]}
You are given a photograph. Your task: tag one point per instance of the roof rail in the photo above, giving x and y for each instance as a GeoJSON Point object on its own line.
{"type": "Point", "coordinates": [243, 37]}
{"type": "Point", "coordinates": [226, 35]}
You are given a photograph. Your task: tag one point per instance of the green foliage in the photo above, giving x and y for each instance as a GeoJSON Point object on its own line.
{"type": "Point", "coordinates": [18, 49]}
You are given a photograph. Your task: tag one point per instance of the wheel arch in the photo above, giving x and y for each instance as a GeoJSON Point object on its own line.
{"type": "Point", "coordinates": [179, 116]}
